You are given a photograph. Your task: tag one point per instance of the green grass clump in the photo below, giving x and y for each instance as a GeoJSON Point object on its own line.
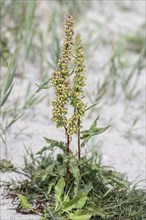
{"type": "Point", "coordinates": [91, 192]}
{"type": "Point", "coordinates": [136, 41]}
{"type": "Point", "coordinates": [6, 166]}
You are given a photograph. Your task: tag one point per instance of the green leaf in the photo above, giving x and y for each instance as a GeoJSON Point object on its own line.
{"type": "Point", "coordinates": [94, 123]}
{"type": "Point", "coordinates": [114, 179]}
{"type": "Point", "coordinates": [66, 199]}
{"type": "Point", "coordinates": [92, 106]}
{"type": "Point", "coordinates": [6, 95]}
{"type": "Point", "coordinates": [76, 203]}
{"type": "Point", "coordinates": [79, 215]}
{"type": "Point", "coordinates": [88, 187]}
{"type": "Point", "coordinates": [6, 165]}
{"type": "Point", "coordinates": [97, 211]}
{"type": "Point", "coordinates": [52, 215]}
{"type": "Point", "coordinates": [50, 168]}
{"type": "Point", "coordinates": [53, 143]}
{"type": "Point", "coordinates": [7, 85]}
{"type": "Point", "coordinates": [24, 202]}
{"type": "Point", "coordinates": [75, 171]}
{"type": "Point", "coordinates": [120, 182]}
{"type": "Point", "coordinates": [42, 150]}
{"type": "Point", "coordinates": [59, 190]}
{"type": "Point", "coordinates": [47, 172]}
{"type": "Point", "coordinates": [51, 185]}
{"type": "Point", "coordinates": [93, 130]}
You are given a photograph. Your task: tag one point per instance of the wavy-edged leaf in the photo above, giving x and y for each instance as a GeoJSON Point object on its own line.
{"type": "Point", "coordinates": [46, 173]}
{"type": "Point", "coordinates": [119, 181]}
{"type": "Point", "coordinates": [52, 215]}
{"type": "Point", "coordinates": [74, 169]}
{"type": "Point", "coordinates": [79, 215]}
{"type": "Point", "coordinates": [97, 211]}
{"type": "Point", "coordinates": [76, 203]}
{"type": "Point", "coordinates": [52, 143]}
{"type": "Point", "coordinates": [93, 130]}
{"type": "Point", "coordinates": [51, 185]}
{"type": "Point", "coordinates": [59, 190]}
{"type": "Point", "coordinates": [24, 202]}
{"type": "Point", "coordinates": [88, 187]}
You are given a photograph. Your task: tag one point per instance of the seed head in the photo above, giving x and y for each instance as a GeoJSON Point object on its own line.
{"type": "Point", "coordinates": [60, 78]}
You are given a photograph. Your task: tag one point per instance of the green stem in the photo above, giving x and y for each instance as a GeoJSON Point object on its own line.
{"type": "Point", "coordinates": [79, 146]}
{"type": "Point", "coordinates": [67, 154]}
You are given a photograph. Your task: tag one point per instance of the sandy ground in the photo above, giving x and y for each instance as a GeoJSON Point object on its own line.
{"type": "Point", "coordinates": [122, 150]}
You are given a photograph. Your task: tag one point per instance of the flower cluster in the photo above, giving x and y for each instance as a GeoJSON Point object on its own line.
{"type": "Point", "coordinates": [64, 93]}
{"type": "Point", "coordinates": [60, 78]}
{"type": "Point", "coordinates": [78, 84]}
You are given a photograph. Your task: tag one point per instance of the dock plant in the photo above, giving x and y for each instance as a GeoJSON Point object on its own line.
{"type": "Point", "coordinates": [67, 187]}
{"type": "Point", "coordinates": [65, 92]}
{"type": "Point", "coordinates": [68, 83]}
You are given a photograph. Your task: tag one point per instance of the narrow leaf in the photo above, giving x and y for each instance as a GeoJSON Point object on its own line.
{"type": "Point", "coordinates": [92, 106]}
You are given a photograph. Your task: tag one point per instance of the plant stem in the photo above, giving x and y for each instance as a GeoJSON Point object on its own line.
{"type": "Point", "coordinates": [79, 146]}
{"type": "Point", "coordinates": [67, 154]}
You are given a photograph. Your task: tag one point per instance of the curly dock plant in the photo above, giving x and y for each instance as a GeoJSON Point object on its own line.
{"type": "Point", "coordinates": [68, 85]}
{"type": "Point", "coordinates": [90, 190]}
{"type": "Point", "coordinates": [65, 93]}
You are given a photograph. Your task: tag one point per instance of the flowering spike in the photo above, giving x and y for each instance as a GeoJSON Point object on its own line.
{"type": "Point", "coordinates": [63, 91]}
{"type": "Point", "coordinates": [60, 78]}
{"type": "Point", "coordinates": [78, 84]}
